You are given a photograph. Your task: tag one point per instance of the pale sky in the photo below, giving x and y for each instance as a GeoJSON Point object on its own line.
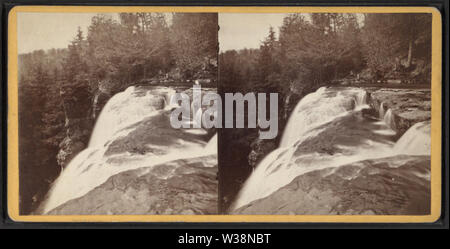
{"type": "Point", "coordinates": [246, 30]}
{"type": "Point", "coordinates": [49, 30]}
{"type": "Point", "coordinates": [56, 30]}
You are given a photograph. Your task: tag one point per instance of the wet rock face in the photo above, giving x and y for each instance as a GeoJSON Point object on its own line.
{"type": "Point", "coordinates": [79, 122]}
{"type": "Point", "coordinates": [186, 186]}
{"type": "Point", "coordinates": [69, 148]}
{"type": "Point", "coordinates": [100, 100]}
{"type": "Point", "coordinates": [143, 166]}
{"type": "Point", "coordinates": [398, 185]}
{"type": "Point", "coordinates": [408, 106]}
{"type": "Point", "coordinates": [259, 149]}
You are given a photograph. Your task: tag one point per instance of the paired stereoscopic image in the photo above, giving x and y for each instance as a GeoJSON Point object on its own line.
{"type": "Point", "coordinates": [224, 113]}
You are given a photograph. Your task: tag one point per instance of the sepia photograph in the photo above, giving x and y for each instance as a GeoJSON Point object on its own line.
{"type": "Point", "coordinates": [353, 109]}
{"type": "Point", "coordinates": [211, 114]}
{"type": "Point", "coordinates": [96, 93]}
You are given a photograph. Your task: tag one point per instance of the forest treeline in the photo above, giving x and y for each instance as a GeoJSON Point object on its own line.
{"type": "Point", "coordinates": [59, 88]}
{"type": "Point", "coordinates": [321, 48]}
{"type": "Point", "coordinates": [314, 50]}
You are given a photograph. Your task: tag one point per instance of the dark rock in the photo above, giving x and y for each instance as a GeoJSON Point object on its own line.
{"type": "Point", "coordinates": [408, 106]}
{"type": "Point", "coordinates": [100, 100]}
{"type": "Point", "coordinates": [77, 103]}
{"type": "Point", "coordinates": [77, 100]}
{"type": "Point", "coordinates": [259, 149]}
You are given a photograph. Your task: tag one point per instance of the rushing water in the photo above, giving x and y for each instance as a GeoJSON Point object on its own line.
{"type": "Point", "coordinates": [120, 116]}
{"type": "Point", "coordinates": [328, 128]}
{"type": "Point", "coordinates": [126, 108]}
{"type": "Point", "coordinates": [416, 140]}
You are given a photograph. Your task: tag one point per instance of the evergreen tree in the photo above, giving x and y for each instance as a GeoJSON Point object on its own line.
{"type": "Point", "coordinates": [195, 44]}
{"type": "Point", "coordinates": [393, 41]}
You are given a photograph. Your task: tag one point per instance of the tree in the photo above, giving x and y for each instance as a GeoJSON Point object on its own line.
{"type": "Point", "coordinates": [393, 41]}
{"type": "Point", "coordinates": [267, 63]}
{"type": "Point", "coordinates": [40, 125]}
{"type": "Point", "coordinates": [75, 64]}
{"type": "Point", "coordinates": [195, 43]}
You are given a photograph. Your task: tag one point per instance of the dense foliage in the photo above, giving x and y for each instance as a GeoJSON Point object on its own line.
{"type": "Point", "coordinates": [324, 47]}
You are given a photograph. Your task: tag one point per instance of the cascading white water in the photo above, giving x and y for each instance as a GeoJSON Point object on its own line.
{"type": "Point", "coordinates": [416, 140]}
{"type": "Point", "coordinates": [126, 108]}
{"type": "Point", "coordinates": [361, 99]}
{"type": "Point", "coordinates": [389, 119]}
{"type": "Point", "coordinates": [318, 108]}
{"type": "Point", "coordinates": [386, 115]}
{"type": "Point", "coordinates": [326, 129]}
{"type": "Point", "coordinates": [382, 111]}
{"type": "Point", "coordinates": [93, 166]}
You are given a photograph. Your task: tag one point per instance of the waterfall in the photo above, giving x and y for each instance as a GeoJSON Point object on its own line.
{"type": "Point", "coordinates": [94, 105]}
{"type": "Point", "coordinates": [416, 140]}
{"type": "Point", "coordinates": [389, 119]}
{"type": "Point", "coordinates": [125, 109]}
{"type": "Point", "coordinates": [328, 129]}
{"type": "Point", "coordinates": [318, 108]}
{"type": "Point", "coordinates": [361, 98]}
{"type": "Point", "coordinates": [381, 113]}
{"type": "Point", "coordinates": [123, 114]}
{"type": "Point", "coordinates": [386, 116]}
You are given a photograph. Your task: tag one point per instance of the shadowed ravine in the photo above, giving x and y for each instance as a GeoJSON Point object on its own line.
{"type": "Point", "coordinates": [337, 157]}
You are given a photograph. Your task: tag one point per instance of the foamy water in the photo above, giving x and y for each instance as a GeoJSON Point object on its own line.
{"type": "Point", "coordinates": [416, 140]}
{"type": "Point", "coordinates": [318, 108]}
{"type": "Point", "coordinates": [92, 167]}
{"type": "Point", "coordinates": [126, 108]}
{"type": "Point", "coordinates": [313, 115]}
